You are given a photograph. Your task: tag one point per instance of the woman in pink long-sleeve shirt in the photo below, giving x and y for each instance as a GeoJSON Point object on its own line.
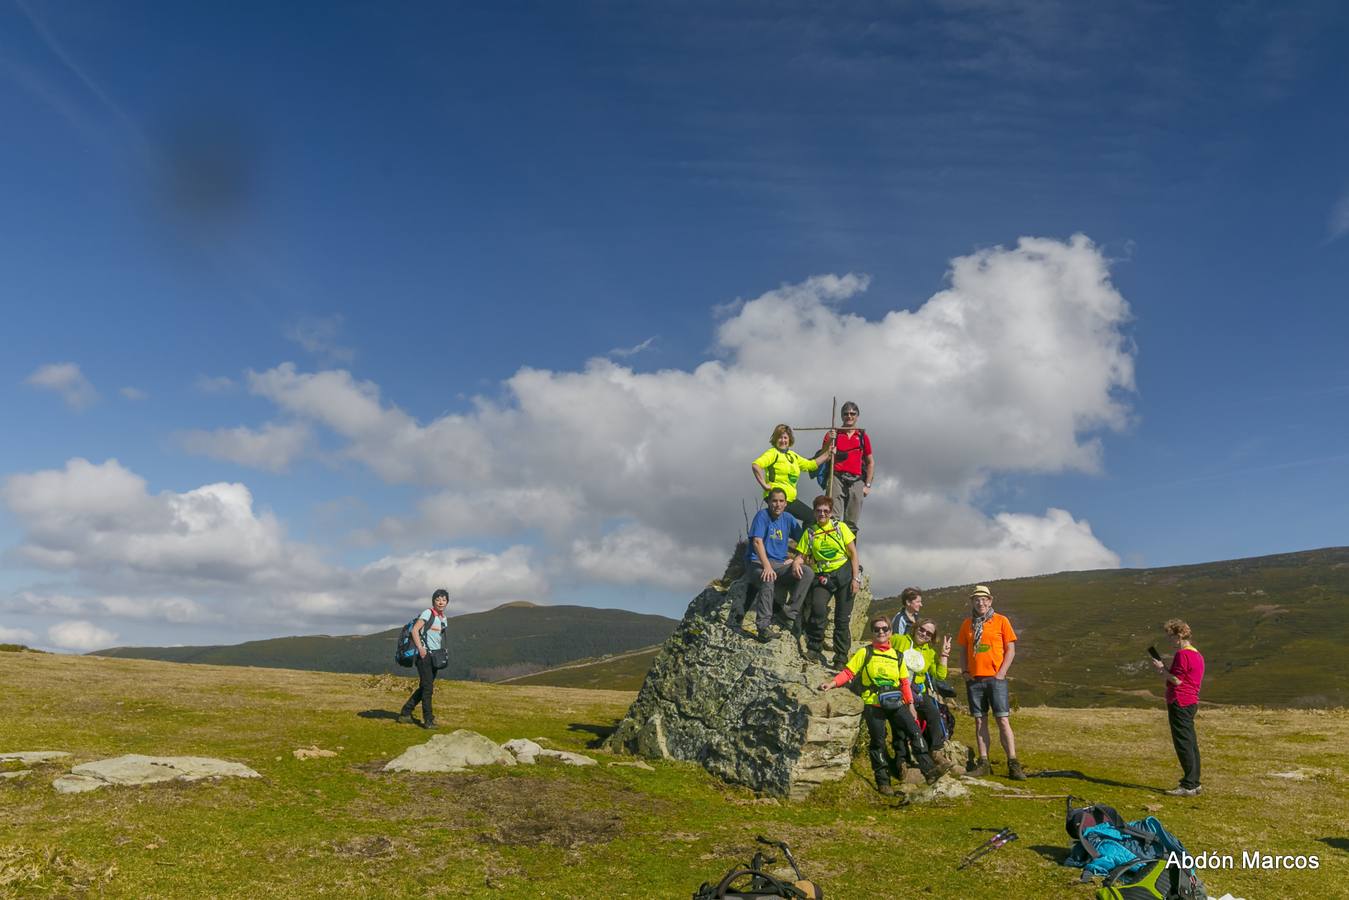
{"type": "Point", "coordinates": [1183, 680]}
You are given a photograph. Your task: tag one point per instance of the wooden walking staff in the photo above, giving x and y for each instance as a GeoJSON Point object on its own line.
{"type": "Point", "coordinates": [833, 415]}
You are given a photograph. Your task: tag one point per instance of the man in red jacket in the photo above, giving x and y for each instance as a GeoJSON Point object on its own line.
{"type": "Point", "coordinates": [1183, 681]}
{"type": "Point", "coordinates": [853, 467]}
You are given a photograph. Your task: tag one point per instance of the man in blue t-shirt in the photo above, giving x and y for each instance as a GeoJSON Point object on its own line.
{"type": "Point", "coordinates": [771, 534]}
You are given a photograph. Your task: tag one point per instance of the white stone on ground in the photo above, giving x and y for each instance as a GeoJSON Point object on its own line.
{"type": "Point", "coordinates": [33, 756]}
{"type": "Point", "coordinates": [524, 750]}
{"type": "Point", "coordinates": [528, 752]}
{"type": "Point", "coordinates": [311, 752]}
{"type": "Point", "coordinates": [945, 788]}
{"type": "Point", "coordinates": [18, 773]}
{"type": "Point", "coordinates": [453, 752]}
{"type": "Point", "coordinates": [135, 769]}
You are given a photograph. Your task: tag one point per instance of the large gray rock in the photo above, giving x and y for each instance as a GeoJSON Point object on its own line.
{"type": "Point", "coordinates": [135, 769]}
{"type": "Point", "coordinates": [453, 752]}
{"type": "Point", "coordinates": [747, 712]}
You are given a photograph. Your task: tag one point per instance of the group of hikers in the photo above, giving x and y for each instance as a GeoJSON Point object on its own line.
{"type": "Point", "coordinates": [800, 558]}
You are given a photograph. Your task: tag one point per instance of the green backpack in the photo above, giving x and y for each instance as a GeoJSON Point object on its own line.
{"type": "Point", "coordinates": [1154, 881]}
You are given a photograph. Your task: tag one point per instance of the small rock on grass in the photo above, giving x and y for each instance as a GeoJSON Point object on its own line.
{"type": "Point", "coordinates": [33, 756]}
{"type": "Point", "coordinates": [945, 788]}
{"type": "Point", "coordinates": [524, 750]}
{"type": "Point", "coordinates": [311, 752]}
{"type": "Point", "coordinates": [571, 759]}
{"type": "Point", "coordinates": [18, 773]}
{"type": "Point", "coordinates": [528, 752]}
{"type": "Point", "coordinates": [636, 764]}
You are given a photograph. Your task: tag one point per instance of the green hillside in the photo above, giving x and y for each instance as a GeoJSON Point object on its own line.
{"type": "Point", "coordinates": [510, 640]}
{"type": "Point", "coordinates": [621, 672]}
{"type": "Point", "coordinates": [340, 827]}
{"type": "Point", "coordinates": [1271, 628]}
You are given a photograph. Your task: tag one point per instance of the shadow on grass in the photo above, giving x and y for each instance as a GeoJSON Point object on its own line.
{"type": "Point", "coordinates": [599, 731]}
{"type": "Point", "coordinates": [1082, 776]}
{"type": "Point", "coordinates": [1339, 843]}
{"type": "Point", "coordinates": [378, 714]}
{"type": "Point", "coordinates": [1055, 855]}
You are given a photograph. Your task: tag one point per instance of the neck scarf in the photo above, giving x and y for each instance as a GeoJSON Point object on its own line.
{"type": "Point", "coordinates": [977, 623]}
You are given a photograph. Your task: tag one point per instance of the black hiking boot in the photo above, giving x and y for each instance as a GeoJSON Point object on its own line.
{"type": "Point", "coordinates": [404, 719]}
{"type": "Point", "coordinates": [431, 724]}
{"type": "Point", "coordinates": [1014, 770]}
{"type": "Point", "coordinates": [932, 770]}
{"type": "Point", "coordinates": [766, 635]}
{"type": "Point", "coordinates": [981, 768]}
{"type": "Point", "coordinates": [817, 657]}
{"type": "Point", "coordinates": [885, 789]}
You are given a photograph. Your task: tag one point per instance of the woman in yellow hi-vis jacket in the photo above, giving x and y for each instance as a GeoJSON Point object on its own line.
{"type": "Point", "coordinates": [780, 467]}
{"type": "Point", "coordinates": [889, 699]}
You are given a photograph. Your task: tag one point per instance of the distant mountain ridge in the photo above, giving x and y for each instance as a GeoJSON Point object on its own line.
{"type": "Point", "coordinates": [1272, 630]}
{"type": "Point", "coordinates": [510, 640]}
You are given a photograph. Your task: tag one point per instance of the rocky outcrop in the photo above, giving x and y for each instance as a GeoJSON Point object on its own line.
{"type": "Point", "coordinates": [748, 712]}
{"type": "Point", "coordinates": [134, 769]}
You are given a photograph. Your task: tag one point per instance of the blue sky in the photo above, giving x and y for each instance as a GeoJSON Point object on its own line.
{"type": "Point", "coordinates": [309, 312]}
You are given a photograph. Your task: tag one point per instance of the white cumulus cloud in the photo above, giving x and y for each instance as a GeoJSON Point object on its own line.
{"type": "Point", "coordinates": [605, 475]}
{"type": "Point", "coordinates": [1017, 366]}
{"type": "Point", "coordinates": [15, 635]}
{"type": "Point", "coordinates": [207, 556]}
{"type": "Point", "coordinates": [67, 380]}
{"type": "Point", "coordinates": [272, 448]}
{"type": "Point", "coordinates": [80, 635]}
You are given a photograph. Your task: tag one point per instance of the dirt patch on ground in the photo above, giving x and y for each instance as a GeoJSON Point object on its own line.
{"type": "Point", "coordinates": [49, 872]}
{"type": "Point", "coordinates": [370, 846]}
{"type": "Point", "coordinates": [516, 811]}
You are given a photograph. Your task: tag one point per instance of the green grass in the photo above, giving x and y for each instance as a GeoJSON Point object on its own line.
{"type": "Point", "coordinates": [340, 827]}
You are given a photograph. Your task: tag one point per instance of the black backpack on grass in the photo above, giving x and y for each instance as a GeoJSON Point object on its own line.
{"type": "Point", "coordinates": [752, 882]}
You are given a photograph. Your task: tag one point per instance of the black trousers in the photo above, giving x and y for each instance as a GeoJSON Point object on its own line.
{"type": "Point", "coordinates": [426, 686]}
{"type": "Point", "coordinates": [900, 722]}
{"type": "Point", "coordinates": [836, 584]}
{"type": "Point", "coordinates": [803, 513]}
{"type": "Point", "coordinates": [1185, 742]}
{"type": "Point", "coordinates": [930, 716]}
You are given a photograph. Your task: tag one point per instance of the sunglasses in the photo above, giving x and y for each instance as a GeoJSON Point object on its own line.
{"type": "Point", "coordinates": [926, 631]}
{"type": "Point", "coordinates": [882, 628]}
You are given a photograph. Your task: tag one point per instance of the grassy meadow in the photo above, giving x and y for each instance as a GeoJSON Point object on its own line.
{"type": "Point", "coordinates": [340, 827]}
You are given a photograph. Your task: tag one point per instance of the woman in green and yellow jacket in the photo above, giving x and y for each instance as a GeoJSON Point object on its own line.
{"type": "Point", "coordinates": [780, 467]}
{"type": "Point", "coordinates": [925, 700]}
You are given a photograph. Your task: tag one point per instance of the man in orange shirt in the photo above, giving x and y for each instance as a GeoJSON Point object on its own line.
{"type": "Point", "coordinates": [989, 645]}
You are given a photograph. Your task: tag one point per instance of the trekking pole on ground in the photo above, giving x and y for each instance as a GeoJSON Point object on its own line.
{"type": "Point", "coordinates": [997, 841]}
{"type": "Point", "coordinates": [786, 851]}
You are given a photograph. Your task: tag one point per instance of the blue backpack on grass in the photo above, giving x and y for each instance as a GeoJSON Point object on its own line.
{"type": "Point", "coordinates": [1132, 857]}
